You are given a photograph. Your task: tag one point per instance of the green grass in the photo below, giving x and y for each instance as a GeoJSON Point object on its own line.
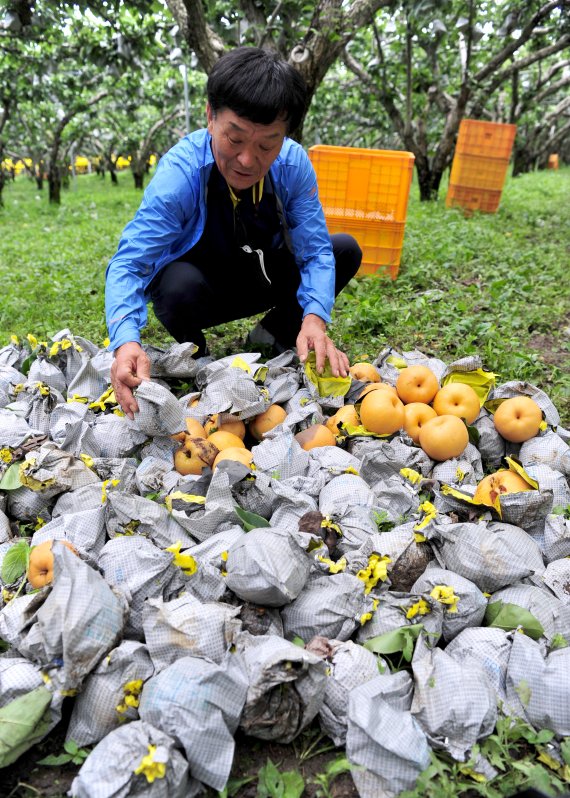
{"type": "Point", "coordinates": [494, 285]}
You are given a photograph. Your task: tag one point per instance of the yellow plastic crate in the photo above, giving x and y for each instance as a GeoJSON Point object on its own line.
{"type": "Point", "coordinates": [478, 171]}
{"type": "Point", "coordinates": [485, 138]}
{"type": "Point", "coordinates": [473, 199]}
{"type": "Point", "coordinates": [381, 243]}
{"type": "Point", "coordinates": [363, 184]}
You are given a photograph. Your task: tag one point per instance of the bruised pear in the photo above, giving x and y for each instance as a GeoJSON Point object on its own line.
{"type": "Point", "coordinates": [195, 455]}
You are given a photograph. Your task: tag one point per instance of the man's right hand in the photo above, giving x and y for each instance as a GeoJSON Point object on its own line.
{"type": "Point", "coordinates": [130, 367]}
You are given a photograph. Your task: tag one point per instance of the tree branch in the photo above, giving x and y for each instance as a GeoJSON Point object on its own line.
{"type": "Point", "coordinates": [255, 14]}
{"type": "Point", "coordinates": [551, 72]}
{"type": "Point", "coordinates": [332, 26]}
{"type": "Point", "coordinates": [5, 113]}
{"type": "Point", "coordinates": [189, 14]}
{"type": "Point", "coordinates": [390, 107]}
{"type": "Point", "coordinates": [554, 139]}
{"type": "Point", "coordinates": [267, 32]}
{"type": "Point", "coordinates": [522, 63]}
{"type": "Point", "coordinates": [497, 60]}
{"type": "Point", "coordinates": [83, 105]}
{"type": "Point", "coordinates": [158, 125]}
{"type": "Point", "coordinates": [546, 92]}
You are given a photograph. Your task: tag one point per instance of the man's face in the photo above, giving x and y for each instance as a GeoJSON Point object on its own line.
{"type": "Point", "coordinates": [243, 150]}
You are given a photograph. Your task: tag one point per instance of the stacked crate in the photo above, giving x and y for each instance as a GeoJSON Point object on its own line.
{"type": "Point", "coordinates": [365, 192]}
{"type": "Point", "coordinates": [480, 165]}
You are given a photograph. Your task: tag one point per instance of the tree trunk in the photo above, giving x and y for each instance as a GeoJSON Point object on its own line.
{"type": "Point", "coordinates": [54, 183]}
{"type": "Point", "coordinates": [428, 182]}
{"type": "Point", "coordinates": [40, 182]}
{"type": "Point", "coordinates": [2, 173]}
{"type": "Point", "coordinates": [110, 164]}
{"type": "Point", "coordinates": [522, 160]}
{"type": "Point", "coordinates": [139, 179]}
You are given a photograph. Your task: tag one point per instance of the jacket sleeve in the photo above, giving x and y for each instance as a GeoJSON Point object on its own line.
{"type": "Point", "coordinates": [309, 237]}
{"type": "Point", "coordinates": [145, 245]}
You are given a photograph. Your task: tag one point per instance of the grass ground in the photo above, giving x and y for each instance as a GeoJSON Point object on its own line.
{"type": "Point", "coordinates": [495, 285]}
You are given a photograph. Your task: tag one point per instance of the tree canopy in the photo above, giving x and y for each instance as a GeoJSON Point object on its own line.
{"type": "Point", "coordinates": [105, 77]}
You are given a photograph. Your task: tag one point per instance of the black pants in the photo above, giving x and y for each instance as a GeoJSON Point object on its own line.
{"type": "Point", "coordinates": [189, 297]}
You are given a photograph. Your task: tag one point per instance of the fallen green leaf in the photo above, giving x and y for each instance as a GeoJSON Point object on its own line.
{"type": "Point", "coordinates": [503, 615]}
{"type": "Point", "coordinates": [11, 478]}
{"type": "Point", "coordinates": [24, 722]}
{"type": "Point", "coordinates": [15, 562]}
{"type": "Point", "coordinates": [250, 520]}
{"type": "Point", "coordinates": [401, 639]}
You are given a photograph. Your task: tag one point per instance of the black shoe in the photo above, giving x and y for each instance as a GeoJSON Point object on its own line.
{"type": "Point", "coordinates": [261, 340]}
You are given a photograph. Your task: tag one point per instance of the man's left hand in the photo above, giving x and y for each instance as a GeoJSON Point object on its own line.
{"type": "Point", "coordinates": [313, 335]}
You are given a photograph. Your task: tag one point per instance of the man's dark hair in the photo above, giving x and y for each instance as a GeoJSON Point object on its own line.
{"type": "Point", "coordinates": [259, 86]}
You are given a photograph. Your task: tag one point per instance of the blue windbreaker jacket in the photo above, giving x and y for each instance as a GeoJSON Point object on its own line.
{"type": "Point", "coordinates": [171, 219]}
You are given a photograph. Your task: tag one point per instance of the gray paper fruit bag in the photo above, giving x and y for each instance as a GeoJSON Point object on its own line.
{"type": "Point", "coordinates": [267, 566]}
{"type": "Point", "coordinates": [350, 665]}
{"type": "Point", "coordinates": [386, 762]}
{"type": "Point", "coordinates": [110, 694]}
{"type": "Point", "coordinates": [199, 704]}
{"type": "Point", "coordinates": [454, 702]}
{"type": "Point", "coordinates": [133, 761]}
{"type": "Point", "coordinates": [286, 687]}
{"type": "Point", "coordinates": [186, 626]}
{"type": "Point", "coordinates": [80, 619]}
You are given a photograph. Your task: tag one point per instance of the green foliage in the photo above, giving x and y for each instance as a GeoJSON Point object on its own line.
{"type": "Point", "coordinates": [273, 784]}
{"type": "Point", "coordinates": [23, 722]}
{"type": "Point", "coordinates": [503, 615]}
{"type": "Point", "coordinates": [233, 786]}
{"type": "Point", "coordinates": [522, 757]}
{"type": "Point", "coordinates": [333, 769]}
{"type": "Point", "coordinates": [312, 742]}
{"type": "Point", "coordinates": [398, 641]}
{"type": "Point", "coordinates": [15, 562]}
{"type": "Point", "coordinates": [72, 755]}
{"type": "Point", "coordinates": [383, 521]}
{"type": "Point", "coordinates": [250, 520]}
{"type": "Point", "coordinates": [11, 478]}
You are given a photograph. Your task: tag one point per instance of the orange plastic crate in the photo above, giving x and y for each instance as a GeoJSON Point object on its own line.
{"type": "Point", "coordinates": [553, 161]}
{"type": "Point", "coordinates": [485, 138]}
{"type": "Point", "coordinates": [478, 171]}
{"type": "Point", "coordinates": [363, 184]}
{"type": "Point", "coordinates": [473, 199]}
{"type": "Point", "coordinates": [381, 243]}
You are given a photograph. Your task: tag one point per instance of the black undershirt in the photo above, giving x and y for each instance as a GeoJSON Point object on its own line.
{"type": "Point", "coordinates": [228, 229]}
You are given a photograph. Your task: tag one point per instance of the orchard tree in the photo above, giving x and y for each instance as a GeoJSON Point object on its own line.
{"type": "Point", "coordinates": [13, 82]}
{"type": "Point", "coordinates": [154, 122]}
{"type": "Point", "coordinates": [82, 54]}
{"type": "Point", "coordinates": [311, 37]}
{"type": "Point", "coordinates": [4, 115]}
{"type": "Point", "coordinates": [47, 47]}
{"type": "Point", "coordinates": [28, 140]}
{"type": "Point", "coordinates": [540, 107]}
{"type": "Point", "coordinates": [431, 69]}
{"type": "Point", "coordinates": [149, 120]}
